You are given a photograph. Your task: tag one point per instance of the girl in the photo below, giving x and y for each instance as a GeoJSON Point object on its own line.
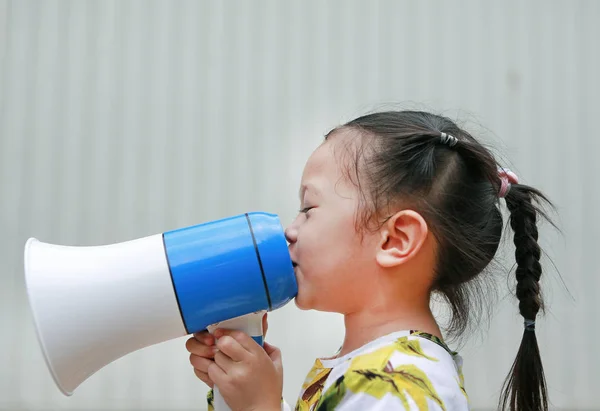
{"type": "Point", "coordinates": [395, 207]}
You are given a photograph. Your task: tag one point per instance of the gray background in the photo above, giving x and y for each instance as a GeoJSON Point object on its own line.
{"type": "Point", "coordinates": [121, 119]}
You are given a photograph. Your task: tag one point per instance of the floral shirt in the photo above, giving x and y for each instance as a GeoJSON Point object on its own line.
{"type": "Point", "coordinates": [405, 370]}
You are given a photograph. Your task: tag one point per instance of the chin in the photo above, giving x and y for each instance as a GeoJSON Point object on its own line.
{"type": "Point", "coordinates": [307, 304]}
{"type": "Point", "coordinates": [301, 303]}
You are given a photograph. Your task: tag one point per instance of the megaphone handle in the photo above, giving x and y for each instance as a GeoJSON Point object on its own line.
{"type": "Point", "coordinates": [251, 324]}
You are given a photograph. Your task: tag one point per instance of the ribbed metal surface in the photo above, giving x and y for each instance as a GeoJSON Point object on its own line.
{"type": "Point", "coordinates": [120, 119]}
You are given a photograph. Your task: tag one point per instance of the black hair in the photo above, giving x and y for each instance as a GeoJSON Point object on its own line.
{"type": "Point", "coordinates": [402, 158]}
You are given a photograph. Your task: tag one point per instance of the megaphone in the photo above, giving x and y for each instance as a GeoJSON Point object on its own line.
{"type": "Point", "coordinates": [94, 304]}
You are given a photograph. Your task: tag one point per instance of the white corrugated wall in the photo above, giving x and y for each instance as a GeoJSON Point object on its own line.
{"type": "Point", "coordinates": [120, 119]}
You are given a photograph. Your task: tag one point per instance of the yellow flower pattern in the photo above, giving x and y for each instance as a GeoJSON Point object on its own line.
{"type": "Point", "coordinates": [385, 373]}
{"type": "Point", "coordinates": [313, 387]}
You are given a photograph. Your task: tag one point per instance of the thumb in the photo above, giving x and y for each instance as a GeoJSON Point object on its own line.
{"type": "Point", "coordinates": [275, 354]}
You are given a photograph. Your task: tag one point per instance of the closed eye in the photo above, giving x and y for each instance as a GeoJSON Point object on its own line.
{"type": "Point", "coordinates": [306, 209]}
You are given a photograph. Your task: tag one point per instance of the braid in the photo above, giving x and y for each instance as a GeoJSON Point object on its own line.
{"type": "Point", "coordinates": [525, 387]}
{"type": "Point", "coordinates": [527, 254]}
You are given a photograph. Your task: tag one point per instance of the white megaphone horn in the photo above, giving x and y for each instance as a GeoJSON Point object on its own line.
{"type": "Point", "coordinates": [95, 304]}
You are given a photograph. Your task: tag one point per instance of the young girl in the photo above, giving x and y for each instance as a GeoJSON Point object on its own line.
{"type": "Point", "coordinates": [395, 207]}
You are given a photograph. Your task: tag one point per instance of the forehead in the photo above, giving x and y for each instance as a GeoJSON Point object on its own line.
{"type": "Point", "coordinates": [328, 164]}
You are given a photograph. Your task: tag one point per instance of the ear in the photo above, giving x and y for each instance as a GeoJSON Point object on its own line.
{"type": "Point", "coordinates": [402, 237]}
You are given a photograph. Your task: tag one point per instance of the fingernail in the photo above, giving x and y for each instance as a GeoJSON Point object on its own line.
{"type": "Point", "coordinates": [215, 350]}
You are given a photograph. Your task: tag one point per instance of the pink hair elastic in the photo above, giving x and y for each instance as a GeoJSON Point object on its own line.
{"type": "Point", "coordinates": [507, 178]}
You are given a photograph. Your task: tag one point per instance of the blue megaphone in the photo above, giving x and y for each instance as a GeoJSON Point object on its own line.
{"type": "Point", "coordinates": [94, 304]}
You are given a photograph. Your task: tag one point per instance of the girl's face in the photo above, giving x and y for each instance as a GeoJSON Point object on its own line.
{"type": "Point", "coordinates": [332, 263]}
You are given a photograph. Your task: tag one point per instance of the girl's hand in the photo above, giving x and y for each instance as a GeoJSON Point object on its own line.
{"type": "Point", "coordinates": [202, 353]}
{"type": "Point", "coordinates": [249, 377]}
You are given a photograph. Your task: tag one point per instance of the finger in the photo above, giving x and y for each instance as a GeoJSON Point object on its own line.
{"type": "Point", "coordinates": [230, 345]}
{"type": "Point", "coordinates": [197, 348]}
{"type": "Point", "coordinates": [200, 363]}
{"type": "Point", "coordinates": [203, 376]}
{"type": "Point", "coordinates": [243, 340]}
{"type": "Point", "coordinates": [216, 374]}
{"type": "Point", "coordinates": [205, 337]}
{"type": "Point", "coordinates": [274, 354]}
{"type": "Point", "coordinates": [223, 361]}
{"type": "Point", "coordinates": [270, 349]}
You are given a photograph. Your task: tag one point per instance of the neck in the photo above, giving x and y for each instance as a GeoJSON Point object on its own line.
{"type": "Point", "coordinates": [371, 323]}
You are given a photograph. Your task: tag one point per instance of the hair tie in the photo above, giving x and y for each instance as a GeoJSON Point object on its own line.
{"type": "Point", "coordinates": [448, 139]}
{"type": "Point", "coordinates": [507, 178]}
{"type": "Point", "coordinates": [529, 325]}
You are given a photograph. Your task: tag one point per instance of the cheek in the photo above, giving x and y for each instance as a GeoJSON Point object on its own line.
{"type": "Point", "coordinates": [329, 252]}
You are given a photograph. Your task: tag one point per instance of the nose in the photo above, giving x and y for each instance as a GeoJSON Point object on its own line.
{"type": "Point", "coordinates": [291, 233]}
